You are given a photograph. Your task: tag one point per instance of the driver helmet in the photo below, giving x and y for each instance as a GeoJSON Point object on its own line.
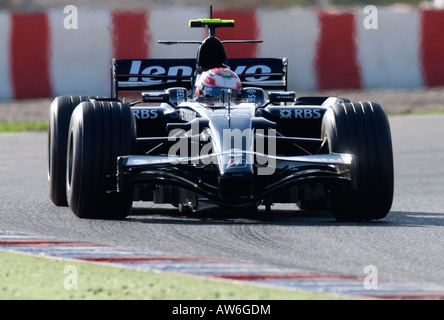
{"type": "Point", "coordinates": [213, 84]}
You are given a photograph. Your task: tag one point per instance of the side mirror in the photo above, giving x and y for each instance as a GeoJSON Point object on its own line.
{"type": "Point", "coordinates": [284, 96]}
{"type": "Point", "coordinates": [155, 97]}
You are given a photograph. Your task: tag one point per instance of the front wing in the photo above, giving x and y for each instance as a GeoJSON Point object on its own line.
{"type": "Point", "coordinates": [191, 174]}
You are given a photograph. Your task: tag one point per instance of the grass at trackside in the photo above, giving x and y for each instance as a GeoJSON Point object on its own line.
{"type": "Point", "coordinates": [417, 113]}
{"type": "Point", "coordinates": [25, 277]}
{"type": "Point", "coordinates": [30, 125]}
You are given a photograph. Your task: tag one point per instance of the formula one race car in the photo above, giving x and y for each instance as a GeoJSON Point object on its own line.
{"type": "Point", "coordinates": [218, 132]}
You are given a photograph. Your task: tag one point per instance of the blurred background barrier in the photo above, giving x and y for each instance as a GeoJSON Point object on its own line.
{"type": "Point", "coordinates": [50, 50]}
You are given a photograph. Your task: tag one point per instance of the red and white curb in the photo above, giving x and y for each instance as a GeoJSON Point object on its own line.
{"type": "Point", "coordinates": [207, 267]}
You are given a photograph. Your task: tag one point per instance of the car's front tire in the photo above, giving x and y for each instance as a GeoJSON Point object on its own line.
{"type": "Point", "coordinates": [361, 129]}
{"type": "Point", "coordinates": [99, 132]}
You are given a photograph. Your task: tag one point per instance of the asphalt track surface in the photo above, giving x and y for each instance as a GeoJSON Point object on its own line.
{"type": "Point", "coordinates": [406, 246]}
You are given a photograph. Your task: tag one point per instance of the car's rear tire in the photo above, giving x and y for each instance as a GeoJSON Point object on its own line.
{"type": "Point", "coordinates": [58, 125]}
{"type": "Point", "coordinates": [361, 129]}
{"type": "Point", "coordinates": [99, 132]}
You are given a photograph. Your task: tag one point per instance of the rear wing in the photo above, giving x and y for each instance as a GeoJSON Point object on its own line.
{"type": "Point", "coordinates": [158, 74]}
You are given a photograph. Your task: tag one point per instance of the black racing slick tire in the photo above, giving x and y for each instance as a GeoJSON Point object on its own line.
{"type": "Point", "coordinates": [361, 129]}
{"type": "Point", "coordinates": [58, 125]}
{"type": "Point", "coordinates": [100, 131]}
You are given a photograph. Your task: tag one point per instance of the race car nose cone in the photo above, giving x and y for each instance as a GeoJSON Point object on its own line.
{"type": "Point", "coordinates": [236, 185]}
